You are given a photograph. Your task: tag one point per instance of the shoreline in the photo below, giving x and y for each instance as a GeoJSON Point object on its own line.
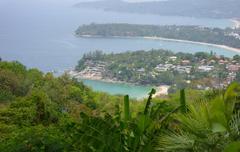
{"type": "Point", "coordinates": [161, 90]}
{"type": "Point", "coordinates": [236, 23]}
{"type": "Point", "coordinates": [237, 50]}
{"type": "Point", "coordinates": [75, 74]}
{"type": "Point", "coordinates": [195, 42]}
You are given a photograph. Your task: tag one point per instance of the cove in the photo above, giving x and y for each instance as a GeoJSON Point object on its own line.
{"type": "Point", "coordinates": [134, 91]}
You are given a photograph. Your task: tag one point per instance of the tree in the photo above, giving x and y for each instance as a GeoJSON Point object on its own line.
{"type": "Point", "coordinates": [202, 55]}
{"type": "Point", "coordinates": [9, 85]}
{"type": "Point", "coordinates": [236, 58]}
{"type": "Point", "coordinates": [208, 126]}
{"type": "Point", "coordinates": [238, 77]}
{"type": "Point", "coordinates": [36, 138]}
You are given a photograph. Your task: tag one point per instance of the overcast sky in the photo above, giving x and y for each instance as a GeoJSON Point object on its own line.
{"type": "Point", "coordinates": [4, 3]}
{"type": "Point", "coordinates": [125, 0]}
{"type": "Point", "coordinates": [144, 0]}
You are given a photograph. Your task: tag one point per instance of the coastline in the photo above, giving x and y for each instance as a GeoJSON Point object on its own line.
{"type": "Point", "coordinates": [161, 90]}
{"type": "Point", "coordinates": [195, 42]}
{"type": "Point", "coordinates": [75, 74]}
{"type": "Point", "coordinates": [237, 50]}
{"type": "Point", "coordinates": [236, 23]}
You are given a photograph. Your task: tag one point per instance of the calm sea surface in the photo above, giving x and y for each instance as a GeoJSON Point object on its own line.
{"type": "Point", "coordinates": [40, 34]}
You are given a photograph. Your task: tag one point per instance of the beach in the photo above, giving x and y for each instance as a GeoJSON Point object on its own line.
{"type": "Point", "coordinates": [80, 76]}
{"type": "Point", "coordinates": [237, 50]}
{"type": "Point", "coordinates": [194, 42]}
{"type": "Point", "coordinates": [161, 91]}
{"type": "Point", "coordinates": [112, 86]}
{"type": "Point", "coordinates": [236, 23]}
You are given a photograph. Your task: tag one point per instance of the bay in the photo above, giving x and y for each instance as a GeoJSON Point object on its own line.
{"type": "Point", "coordinates": [137, 92]}
{"type": "Point", "coordinates": [40, 34]}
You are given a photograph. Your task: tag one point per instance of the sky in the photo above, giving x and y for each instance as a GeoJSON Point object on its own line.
{"type": "Point", "coordinates": [133, 1]}
{"type": "Point", "coordinates": [3, 3]}
{"type": "Point", "coordinates": [143, 0]}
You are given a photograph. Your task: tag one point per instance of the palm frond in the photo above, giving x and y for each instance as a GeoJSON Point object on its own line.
{"type": "Point", "coordinates": [183, 101]}
{"type": "Point", "coordinates": [196, 121]}
{"type": "Point", "coordinates": [235, 124]}
{"type": "Point", "coordinates": [146, 110]}
{"type": "Point", "coordinates": [230, 98]}
{"type": "Point", "coordinates": [175, 142]}
{"type": "Point", "coordinates": [126, 108]}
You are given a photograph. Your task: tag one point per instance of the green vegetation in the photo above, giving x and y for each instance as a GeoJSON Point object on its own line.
{"type": "Point", "coordinates": [39, 112]}
{"type": "Point", "coordinates": [161, 67]}
{"type": "Point", "coordinates": [229, 37]}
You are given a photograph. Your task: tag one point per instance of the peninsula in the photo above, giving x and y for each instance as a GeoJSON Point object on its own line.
{"type": "Point", "coordinates": [160, 67]}
{"type": "Point", "coordinates": [228, 38]}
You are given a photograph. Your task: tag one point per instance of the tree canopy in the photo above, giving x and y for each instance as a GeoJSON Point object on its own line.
{"type": "Point", "coordinates": [40, 112]}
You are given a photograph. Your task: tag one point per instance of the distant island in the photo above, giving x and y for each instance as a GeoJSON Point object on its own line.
{"type": "Point", "coordinates": [190, 8]}
{"type": "Point", "coordinates": [193, 34]}
{"type": "Point", "coordinates": [160, 67]}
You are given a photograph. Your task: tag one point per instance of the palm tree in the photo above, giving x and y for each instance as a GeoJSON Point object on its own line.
{"type": "Point", "coordinates": [114, 134]}
{"type": "Point", "coordinates": [207, 126]}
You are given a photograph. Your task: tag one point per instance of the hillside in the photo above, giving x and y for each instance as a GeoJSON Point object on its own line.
{"type": "Point", "coordinates": [161, 67]}
{"type": "Point", "coordinates": [190, 8]}
{"type": "Point", "coordinates": [39, 112]}
{"type": "Point", "coordinates": [229, 37]}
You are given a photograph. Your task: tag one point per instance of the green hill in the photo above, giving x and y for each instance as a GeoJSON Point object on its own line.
{"type": "Point", "coordinates": [190, 8]}
{"type": "Point", "coordinates": [229, 37]}
{"type": "Point", "coordinates": [40, 112]}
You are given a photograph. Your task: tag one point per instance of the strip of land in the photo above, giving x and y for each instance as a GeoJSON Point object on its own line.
{"type": "Point", "coordinates": [228, 38]}
{"type": "Point", "coordinates": [160, 67]}
{"type": "Point", "coordinates": [92, 76]}
{"type": "Point", "coordinates": [237, 50]}
{"type": "Point", "coordinates": [194, 42]}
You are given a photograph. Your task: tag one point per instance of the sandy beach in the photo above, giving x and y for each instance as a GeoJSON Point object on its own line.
{"type": "Point", "coordinates": [80, 76]}
{"type": "Point", "coordinates": [161, 91]}
{"type": "Point", "coordinates": [236, 23]}
{"type": "Point", "coordinates": [194, 42]}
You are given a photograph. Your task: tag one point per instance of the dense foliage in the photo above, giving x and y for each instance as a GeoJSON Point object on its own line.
{"type": "Point", "coordinates": [191, 33]}
{"type": "Point", "coordinates": [142, 67]}
{"type": "Point", "coordinates": [39, 112]}
{"type": "Point", "coordinates": [36, 108]}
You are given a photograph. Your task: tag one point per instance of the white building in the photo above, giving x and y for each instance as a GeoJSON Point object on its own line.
{"type": "Point", "coordinates": [205, 68]}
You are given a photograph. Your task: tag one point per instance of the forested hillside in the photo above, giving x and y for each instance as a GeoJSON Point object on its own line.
{"type": "Point", "coordinates": [191, 8]}
{"type": "Point", "coordinates": [158, 67]}
{"type": "Point", "coordinates": [39, 112]}
{"type": "Point", "coordinates": [229, 37]}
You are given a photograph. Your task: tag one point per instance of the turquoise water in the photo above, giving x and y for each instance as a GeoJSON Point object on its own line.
{"type": "Point", "coordinates": [119, 89]}
{"type": "Point", "coordinates": [40, 34]}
